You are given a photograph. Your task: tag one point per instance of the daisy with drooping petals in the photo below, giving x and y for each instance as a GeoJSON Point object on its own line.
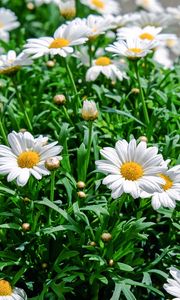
{"type": "Point", "coordinates": [98, 25]}
{"type": "Point", "coordinates": [9, 293]}
{"type": "Point", "coordinates": [25, 157]}
{"type": "Point", "coordinates": [8, 22]}
{"type": "Point", "coordinates": [123, 20]}
{"type": "Point", "coordinates": [66, 36]}
{"type": "Point", "coordinates": [103, 6]}
{"type": "Point", "coordinates": [67, 8]}
{"type": "Point", "coordinates": [10, 63]}
{"type": "Point", "coordinates": [170, 192]}
{"type": "Point", "coordinates": [150, 5]}
{"type": "Point", "coordinates": [173, 285]}
{"type": "Point", "coordinates": [131, 168]}
{"type": "Point", "coordinates": [132, 48]}
{"type": "Point", "coordinates": [162, 56]}
{"type": "Point", "coordinates": [104, 65]}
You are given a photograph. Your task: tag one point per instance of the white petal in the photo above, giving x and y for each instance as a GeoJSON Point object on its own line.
{"type": "Point", "coordinates": [23, 177]}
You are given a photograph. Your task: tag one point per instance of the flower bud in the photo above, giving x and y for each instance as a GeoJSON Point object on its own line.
{"type": "Point", "coordinates": [59, 99]}
{"type": "Point", "coordinates": [89, 111]}
{"type": "Point", "coordinates": [93, 244]}
{"type": "Point", "coordinates": [26, 200]}
{"type": "Point", "coordinates": [52, 163]}
{"type": "Point", "coordinates": [111, 262]}
{"type": "Point", "coordinates": [80, 185]}
{"type": "Point", "coordinates": [135, 91]}
{"type": "Point", "coordinates": [44, 265]}
{"type": "Point", "coordinates": [26, 226]}
{"type": "Point", "coordinates": [67, 8]}
{"type": "Point", "coordinates": [22, 130]}
{"type": "Point", "coordinates": [50, 63]}
{"type": "Point", "coordinates": [30, 6]}
{"type": "Point", "coordinates": [81, 195]}
{"type": "Point", "coordinates": [106, 237]}
{"type": "Point", "coordinates": [143, 138]}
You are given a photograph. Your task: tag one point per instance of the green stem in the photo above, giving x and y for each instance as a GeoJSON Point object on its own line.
{"type": "Point", "coordinates": [19, 98]}
{"type": "Point", "coordinates": [95, 291]}
{"type": "Point", "coordinates": [67, 116]}
{"type": "Point", "coordinates": [146, 116]}
{"type": "Point", "coordinates": [2, 131]}
{"type": "Point", "coordinates": [53, 174]}
{"type": "Point", "coordinates": [88, 147]}
{"type": "Point", "coordinates": [77, 103]}
{"type": "Point", "coordinates": [90, 52]}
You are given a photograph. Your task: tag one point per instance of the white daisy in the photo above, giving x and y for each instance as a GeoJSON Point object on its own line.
{"type": "Point", "coordinates": [123, 20]}
{"type": "Point", "coordinates": [132, 48]}
{"type": "Point", "coordinates": [174, 12]}
{"type": "Point", "coordinates": [148, 33]}
{"type": "Point", "coordinates": [10, 63]}
{"type": "Point", "coordinates": [103, 6]}
{"type": "Point", "coordinates": [170, 192]}
{"type": "Point", "coordinates": [98, 25]}
{"type": "Point", "coordinates": [25, 157]}
{"type": "Point", "coordinates": [67, 8]}
{"type": "Point", "coordinates": [152, 19]}
{"type": "Point", "coordinates": [9, 293]}
{"type": "Point", "coordinates": [131, 168]}
{"type": "Point", "coordinates": [173, 285]}
{"type": "Point", "coordinates": [104, 65]}
{"type": "Point", "coordinates": [67, 35]}
{"type": "Point", "coordinates": [8, 21]}
{"type": "Point", "coordinates": [150, 5]}
{"type": "Point", "coordinates": [162, 56]}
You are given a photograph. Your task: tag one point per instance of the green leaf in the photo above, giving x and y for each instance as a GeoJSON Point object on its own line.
{"type": "Point", "coordinates": [117, 292]}
{"type": "Point", "coordinates": [124, 267]}
{"type": "Point", "coordinates": [81, 159]}
{"type": "Point", "coordinates": [10, 226]}
{"type": "Point", "coordinates": [127, 293]}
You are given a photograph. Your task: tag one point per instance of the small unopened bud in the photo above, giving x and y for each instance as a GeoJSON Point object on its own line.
{"type": "Point", "coordinates": [50, 63]}
{"type": "Point", "coordinates": [52, 163]}
{"type": "Point", "coordinates": [135, 91]}
{"type": "Point", "coordinates": [143, 138]}
{"type": "Point", "coordinates": [26, 200]}
{"type": "Point", "coordinates": [111, 262]}
{"type": "Point", "coordinates": [80, 185]}
{"type": "Point", "coordinates": [106, 237]}
{"type": "Point", "coordinates": [44, 265]}
{"type": "Point", "coordinates": [30, 6]}
{"type": "Point", "coordinates": [22, 130]}
{"type": "Point", "coordinates": [89, 111]}
{"type": "Point", "coordinates": [81, 194]}
{"type": "Point", "coordinates": [67, 8]}
{"type": "Point", "coordinates": [59, 99]}
{"type": "Point", "coordinates": [93, 244]}
{"type": "Point", "coordinates": [26, 226]}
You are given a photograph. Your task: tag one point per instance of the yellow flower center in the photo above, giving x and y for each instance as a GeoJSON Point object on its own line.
{"type": "Point", "coordinates": [103, 61]}
{"type": "Point", "coordinates": [135, 50]}
{"type": "Point", "coordinates": [170, 42]}
{"type": "Point", "coordinates": [59, 43]}
{"type": "Point", "coordinates": [9, 70]}
{"type": "Point", "coordinates": [168, 181]}
{"type": "Point", "coordinates": [5, 288]}
{"type": "Point", "coordinates": [146, 36]}
{"type": "Point", "coordinates": [28, 159]}
{"type": "Point", "coordinates": [131, 171]}
{"type": "Point", "coordinates": [98, 3]}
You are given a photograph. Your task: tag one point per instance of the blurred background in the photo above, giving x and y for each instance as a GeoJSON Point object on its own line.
{"type": "Point", "coordinates": [130, 4]}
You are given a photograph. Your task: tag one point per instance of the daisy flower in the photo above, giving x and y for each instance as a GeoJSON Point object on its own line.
{"type": "Point", "coordinates": [89, 110]}
{"type": "Point", "coordinates": [152, 19]}
{"type": "Point", "coordinates": [131, 168]}
{"type": "Point", "coordinates": [148, 33]}
{"type": "Point", "coordinates": [173, 285]}
{"type": "Point", "coordinates": [98, 25]}
{"type": "Point", "coordinates": [170, 190]}
{"type": "Point", "coordinates": [174, 12]}
{"type": "Point", "coordinates": [150, 5]}
{"type": "Point", "coordinates": [25, 157]}
{"type": "Point", "coordinates": [8, 22]}
{"type": "Point", "coordinates": [123, 20]}
{"type": "Point", "coordinates": [104, 65]}
{"type": "Point", "coordinates": [9, 293]}
{"type": "Point", "coordinates": [132, 48]}
{"type": "Point", "coordinates": [10, 63]}
{"type": "Point", "coordinates": [67, 8]}
{"type": "Point", "coordinates": [103, 6]}
{"type": "Point", "coordinates": [67, 35]}
{"type": "Point", "coordinates": [162, 56]}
